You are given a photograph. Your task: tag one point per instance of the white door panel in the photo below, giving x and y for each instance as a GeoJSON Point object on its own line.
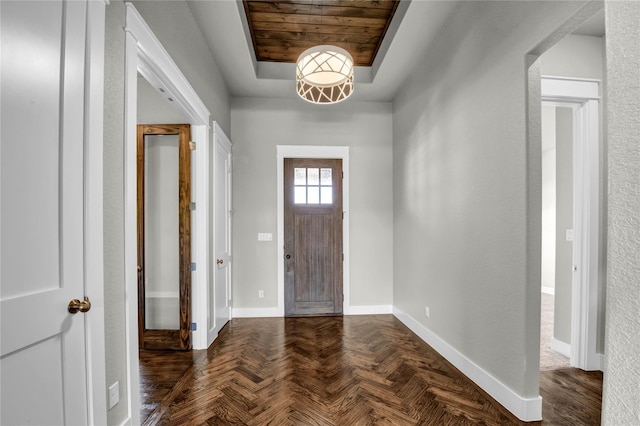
{"type": "Point", "coordinates": [42, 212]}
{"type": "Point", "coordinates": [220, 294]}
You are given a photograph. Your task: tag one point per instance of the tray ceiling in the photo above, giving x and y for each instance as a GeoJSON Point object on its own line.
{"type": "Point", "coordinates": [282, 29]}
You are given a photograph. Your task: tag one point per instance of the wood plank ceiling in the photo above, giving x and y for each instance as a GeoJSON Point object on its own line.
{"type": "Point", "coordinates": [282, 29]}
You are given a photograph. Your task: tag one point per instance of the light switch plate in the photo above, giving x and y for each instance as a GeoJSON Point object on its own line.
{"type": "Point", "coordinates": [568, 234]}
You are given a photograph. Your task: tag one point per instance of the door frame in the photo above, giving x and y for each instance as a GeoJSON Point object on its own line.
{"type": "Point", "coordinates": [581, 95]}
{"type": "Point", "coordinates": [94, 224]}
{"type": "Point", "coordinates": [301, 151]}
{"type": "Point", "coordinates": [145, 54]}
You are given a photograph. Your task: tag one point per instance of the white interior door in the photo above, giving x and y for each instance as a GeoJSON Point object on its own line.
{"type": "Point", "coordinates": [220, 294]}
{"type": "Point", "coordinates": [42, 258]}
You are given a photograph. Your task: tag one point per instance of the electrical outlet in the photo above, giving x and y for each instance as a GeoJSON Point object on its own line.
{"type": "Point", "coordinates": [114, 394]}
{"type": "Point", "coordinates": [260, 294]}
{"type": "Point", "coordinates": [426, 312]}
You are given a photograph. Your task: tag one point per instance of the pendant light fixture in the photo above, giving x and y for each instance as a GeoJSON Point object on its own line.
{"type": "Point", "coordinates": [324, 74]}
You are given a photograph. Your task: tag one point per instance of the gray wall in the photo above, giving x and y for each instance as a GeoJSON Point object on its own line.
{"type": "Point", "coordinates": [261, 124]}
{"type": "Point", "coordinates": [564, 221]}
{"type": "Point", "coordinates": [154, 108]}
{"type": "Point", "coordinates": [460, 189]}
{"type": "Point", "coordinates": [621, 397]}
{"type": "Point", "coordinates": [114, 290]}
{"type": "Point", "coordinates": [548, 272]}
{"type": "Point", "coordinates": [175, 27]}
{"type": "Point", "coordinates": [575, 56]}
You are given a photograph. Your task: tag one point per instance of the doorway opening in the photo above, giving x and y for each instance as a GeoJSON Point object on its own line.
{"type": "Point", "coordinates": [570, 107]}
{"type": "Point", "coordinates": [146, 57]}
{"type": "Point", "coordinates": [565, 70]}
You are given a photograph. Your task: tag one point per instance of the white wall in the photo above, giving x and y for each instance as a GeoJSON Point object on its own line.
{"type": "Point", "coordinates": [460, 190]}
{"type": "Point", "coordinates": [621, 396]}
{"type": "Point", "coordinates": [258, 125]}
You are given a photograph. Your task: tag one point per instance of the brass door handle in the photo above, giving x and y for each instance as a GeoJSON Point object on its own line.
{"type": "Point", "coordinates": [219, 261]}
{"type": "Point", "coordinates": [76, 306]}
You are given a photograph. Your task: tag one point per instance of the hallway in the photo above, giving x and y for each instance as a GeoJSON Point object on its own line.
{"type": "Point", "coordinates": [334, 371]}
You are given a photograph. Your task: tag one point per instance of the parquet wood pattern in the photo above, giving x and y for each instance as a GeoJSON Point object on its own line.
{"type": "Point", "coordinates": [160, 371]}
{"type": "Point", "coordinates": [352, 370]}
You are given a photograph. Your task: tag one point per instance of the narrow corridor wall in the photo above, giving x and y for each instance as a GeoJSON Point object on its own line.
{"type": "Point", "coordinates": [461, 189]}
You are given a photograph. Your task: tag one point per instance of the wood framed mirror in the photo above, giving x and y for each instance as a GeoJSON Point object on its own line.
{"type": "Point", "coordinates": [164, 236]}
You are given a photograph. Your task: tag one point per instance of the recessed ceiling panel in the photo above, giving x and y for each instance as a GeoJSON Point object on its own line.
{"type": "Point", "coordinates": [282, 29]}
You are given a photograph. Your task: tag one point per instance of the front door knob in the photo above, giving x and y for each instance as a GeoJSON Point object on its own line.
{"type": "Point", "coordinates": [76, 306]}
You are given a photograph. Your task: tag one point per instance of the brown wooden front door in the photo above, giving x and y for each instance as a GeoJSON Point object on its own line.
{"type": "Point", "coordinates": [313, 236]}
{"type": "Point", "coordinates": [164, 236]}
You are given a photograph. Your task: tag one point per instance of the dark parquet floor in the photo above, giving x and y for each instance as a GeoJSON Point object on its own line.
{"type": "Point", "coordinates": [352, 370]}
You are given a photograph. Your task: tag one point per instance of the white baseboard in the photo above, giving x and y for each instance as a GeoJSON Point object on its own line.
{"type": "Point", "coordinates": [526, 409]}
{"type": "Point", "coordinates": [275, 312]}
{"type": "Point", "coordinates": [368, 310]}
{"type": "Point", "coordinates": [565, 349]}
{"type": "Point", "coordinates": [600, 358]}
{"type": "Point", "coordinates": [127, 422]}
{"type": "Point", "coordinates": [549, 290]}
{"type": "Point", "coordinates": [256, 312]}
{"type": "Point", "coordinates": [561, 347]}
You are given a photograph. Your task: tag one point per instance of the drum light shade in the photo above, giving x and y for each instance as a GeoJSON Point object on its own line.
{"type": "Point", "coordinates": [324, 75]}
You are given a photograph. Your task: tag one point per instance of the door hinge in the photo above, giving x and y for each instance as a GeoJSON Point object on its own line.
{"type": "Point", "coordinates": [192, 205]}
{"type": "Point", "coordinates": [192, 145]}
{"type": "Point", "coordinates": [343, 257]}
{"type": "Point", "coordinates": [342, 175]}
{"type": "Point", "coordinates": [194, 326]}
{"type": "Point", "coordinates": [192, 266]}
{"type": "Point", "coordinates": [343, 215]}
